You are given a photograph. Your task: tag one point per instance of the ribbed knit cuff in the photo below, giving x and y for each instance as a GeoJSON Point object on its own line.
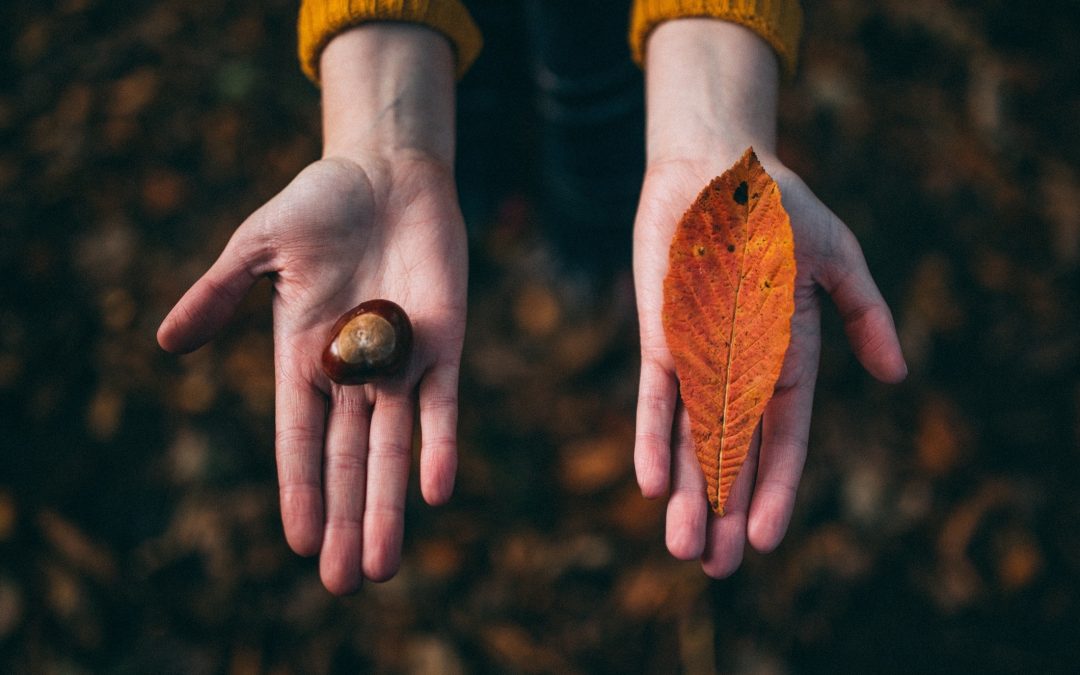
{"type": "Point", "coordinates": [778, 22]}
{"type": "Point", "coordinates": [321, 20]}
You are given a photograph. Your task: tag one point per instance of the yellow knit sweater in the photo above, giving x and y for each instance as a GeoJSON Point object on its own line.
{"type": "Point", "coordinates": [779, 22]}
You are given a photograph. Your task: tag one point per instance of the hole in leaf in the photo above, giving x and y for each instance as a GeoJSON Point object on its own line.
{"type": "Point", "coordinates": [741, 193]}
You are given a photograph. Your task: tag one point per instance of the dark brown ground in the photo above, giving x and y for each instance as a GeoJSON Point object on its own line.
{"type": "Point", "coordinates": [937, 522]}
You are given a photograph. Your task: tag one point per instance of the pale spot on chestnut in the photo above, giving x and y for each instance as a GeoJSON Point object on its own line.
{"type": "Point", "coordinates": [367, 338]}
{"type": "Point", "coordinates": [370, 341]}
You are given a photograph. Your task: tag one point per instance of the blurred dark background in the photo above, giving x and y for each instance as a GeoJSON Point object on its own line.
{"type": "Point", "coordinates": [937, 524]}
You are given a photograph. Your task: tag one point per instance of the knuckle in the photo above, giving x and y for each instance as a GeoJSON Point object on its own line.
{"type": "Point", "coordinates": [653, 401]}
{"type": "Point", "coordinates": [296, 441]}
{"type": "Point", "coordinates": [441, 445]}
{"type": "Point", "coordinates": [444, 404]}
{"type": "Point", "coordinates": [651, 442]}
{"type": "Point", "coordinates": [777, 488]}
{"type": "Point", "coordinates": [341, 463]}
{"type": "Point", "coordinates": [391, 450]}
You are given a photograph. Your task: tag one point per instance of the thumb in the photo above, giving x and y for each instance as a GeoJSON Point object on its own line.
{"type": "Point", "coordinates": [212, 300]}
{"type": "Point", "coordinates": [867, 319]}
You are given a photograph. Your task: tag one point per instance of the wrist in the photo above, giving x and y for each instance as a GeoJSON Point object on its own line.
{"type": "Point", "coordinates": [388, 91]}
{"type": "Point", "coordinates": [711, 89]}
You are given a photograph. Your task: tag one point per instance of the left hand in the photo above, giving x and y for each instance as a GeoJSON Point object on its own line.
{"type": "Point", "coordinates": [828, 258]}
{"type": "Point", "coordinates": [684, 155]}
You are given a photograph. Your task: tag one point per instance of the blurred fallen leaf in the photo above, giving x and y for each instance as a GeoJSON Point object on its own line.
{"type": "Point", "coordinates": [635, 516]}
{"type": "Point", "coordinates": [104, 412]}
{"type": "Point", "coordinates": [77, 547]}
{"type": "Point", "coordinates": [536, 311]}
{"type": "Point", "coordinates": [513, 648]}
{"type": "Point", "coordinates": [942, 437]}
{"type": "Point", "coordinates": [644, 591]}
{"type": "Point", "coordinates": [958, 582]}
{"type": "Point", "coordinates": [133, 92]}
{"type": "Point", "coordinates": [432, 655]}
{"type": "Point", "coordinates": [439, 558]}
{"type": "Point", "coordinates": [164, 191]}
{"type": "Point", "coordinates": [1019, 559]}
{"type": "Point", "coordinates": [591, 464]}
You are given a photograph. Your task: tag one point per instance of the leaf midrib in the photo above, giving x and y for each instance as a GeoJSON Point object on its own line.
{"type": "Point", "coordinates": [731, 342]}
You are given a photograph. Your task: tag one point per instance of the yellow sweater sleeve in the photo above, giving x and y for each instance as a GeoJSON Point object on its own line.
{"type": "Point", "coordinates": [321, 20]}
{"type": "Point", "coordinates": [779, 22]}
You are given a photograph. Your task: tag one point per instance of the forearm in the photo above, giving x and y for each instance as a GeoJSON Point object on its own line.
{"type": "Point", "coordinates": [711, 87]}
{"type": "Point", "coordinates": [388, 90]}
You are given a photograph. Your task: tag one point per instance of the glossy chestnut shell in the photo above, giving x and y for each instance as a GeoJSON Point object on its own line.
{"type": "Point", "coordinates": [368, 342]}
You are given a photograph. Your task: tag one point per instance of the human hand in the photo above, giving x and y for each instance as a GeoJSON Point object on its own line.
{"type": "Point", "coordinates": [688, 148]}
{"type": "Point", "coordinates": [377, 217]}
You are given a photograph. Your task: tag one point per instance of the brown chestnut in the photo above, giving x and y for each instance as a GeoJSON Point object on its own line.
{"type": "Point", "coordinates": [370, 341]}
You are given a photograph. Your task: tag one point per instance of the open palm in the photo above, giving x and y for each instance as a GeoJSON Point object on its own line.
{"type": "Point", "coordinates": [339, 234]}
{"type": "Point", "coordinates": [761, 502]}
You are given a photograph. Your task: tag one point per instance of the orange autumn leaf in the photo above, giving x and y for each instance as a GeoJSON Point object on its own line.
{"type": "Point", "coordinates": [728, 299]}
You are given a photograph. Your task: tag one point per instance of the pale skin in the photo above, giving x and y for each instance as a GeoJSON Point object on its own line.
{"type": "Point", "coordinates": [378, 217]}
{"type": "Point", "coordinates": [711, 92]}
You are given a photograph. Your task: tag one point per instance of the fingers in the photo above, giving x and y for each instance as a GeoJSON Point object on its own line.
{"type": "Point", "coordinates": [438, 431]}
{"type": "Point", "coordinates": [725, 537]}
{"type": "Point", "coordinates": [345, 480]}
{"type": "Point", "coordinates": [388, 473]}
{"type": "Point", "coordinates": [210, 302]}
{"type": "Point", "coordinates": [785, 432]}
{"type": "Point", "coordinates": [368, 450]}
{"type": "Point", "coordinates": [657, 395]}
{"type": "Point", "coordinates": [687, 509]}
{"type": "Point", "coordinates": [867, 319]}
{"type": "Point", "coordinates": [366, 478]}
{"type": "Point", "coordinates": [300, 416]}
